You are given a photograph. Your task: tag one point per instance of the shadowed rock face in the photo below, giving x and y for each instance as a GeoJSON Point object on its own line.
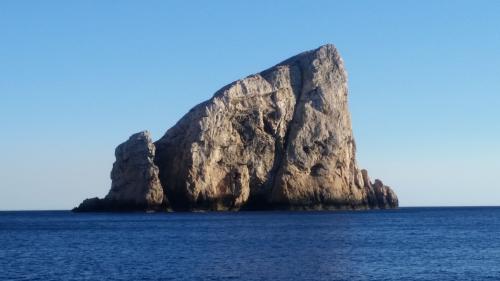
{"type": "Point", "coordinates": [279, 139]}
{"type": "Point", "coordinates": [135, 182]}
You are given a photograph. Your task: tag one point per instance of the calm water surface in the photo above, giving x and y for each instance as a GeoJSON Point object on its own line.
{"type": "Point", "coordinates": [404, 244]}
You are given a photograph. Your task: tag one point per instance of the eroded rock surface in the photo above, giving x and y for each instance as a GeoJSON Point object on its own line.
{"type": "Point", "coordinates": [279, 139]}
{"type": "Point", "coordinates": [135, 182]}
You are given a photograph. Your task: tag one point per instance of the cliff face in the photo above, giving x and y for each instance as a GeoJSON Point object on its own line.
{"type": "Point", "coordinates": [281, 138]}
{"type": "Point", "coordinates": [135, 183]}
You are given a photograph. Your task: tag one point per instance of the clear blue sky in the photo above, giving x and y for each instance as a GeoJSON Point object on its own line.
{"type": "Point", "coordinates": [78, 77]}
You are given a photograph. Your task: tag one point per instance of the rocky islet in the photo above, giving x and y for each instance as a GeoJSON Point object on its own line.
{"type": "Point", "coordinates": [279, 139]}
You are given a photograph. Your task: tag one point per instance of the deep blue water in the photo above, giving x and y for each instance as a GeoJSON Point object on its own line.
{"type": "Point", "coordinates": [404, 244]}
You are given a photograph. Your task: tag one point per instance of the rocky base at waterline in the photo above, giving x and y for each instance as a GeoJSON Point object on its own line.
{"type": "Point", "coordinates": [279, 139]}
{"type": "Point", "coordinates": [107, 205]}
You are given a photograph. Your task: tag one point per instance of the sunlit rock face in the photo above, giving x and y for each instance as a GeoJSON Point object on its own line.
{"type": "Point", "coordinates": [279, 139]}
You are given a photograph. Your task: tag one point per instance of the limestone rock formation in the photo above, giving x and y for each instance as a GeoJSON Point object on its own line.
{"type": "Point", "coordinates": [135, 182]}
{"type": "Point", "coordinates": [279, 139]}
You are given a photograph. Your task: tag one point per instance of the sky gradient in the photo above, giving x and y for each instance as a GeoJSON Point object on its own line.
{"type": "Point", "coordinates": [78, 77]}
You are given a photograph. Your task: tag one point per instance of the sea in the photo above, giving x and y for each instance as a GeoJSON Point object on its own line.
{"type": "Point", "coordinates": [460, 243]}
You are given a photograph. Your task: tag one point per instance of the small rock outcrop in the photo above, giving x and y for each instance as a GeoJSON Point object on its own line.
{"type": "Point", "coordinates": [379, 195]}
{"type": "Point", "coordinates": [135, 183]}
{"type": "Point", "coordinates": [279, 139]}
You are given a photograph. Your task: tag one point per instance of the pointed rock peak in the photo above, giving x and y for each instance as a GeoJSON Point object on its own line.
{"type": "Point", "coordinates": [326, 51]}
{"type": "Point", "coordinates": [141, 135]}
{"type": "Point", "coordinates": [326, 58]}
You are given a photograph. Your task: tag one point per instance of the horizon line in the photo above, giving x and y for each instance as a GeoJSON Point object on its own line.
{"type": "Point", "coordinates": [251, 211]}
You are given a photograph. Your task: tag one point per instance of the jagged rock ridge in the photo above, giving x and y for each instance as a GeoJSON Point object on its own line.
{"type": "Point", "coordinates": [281, 138]}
